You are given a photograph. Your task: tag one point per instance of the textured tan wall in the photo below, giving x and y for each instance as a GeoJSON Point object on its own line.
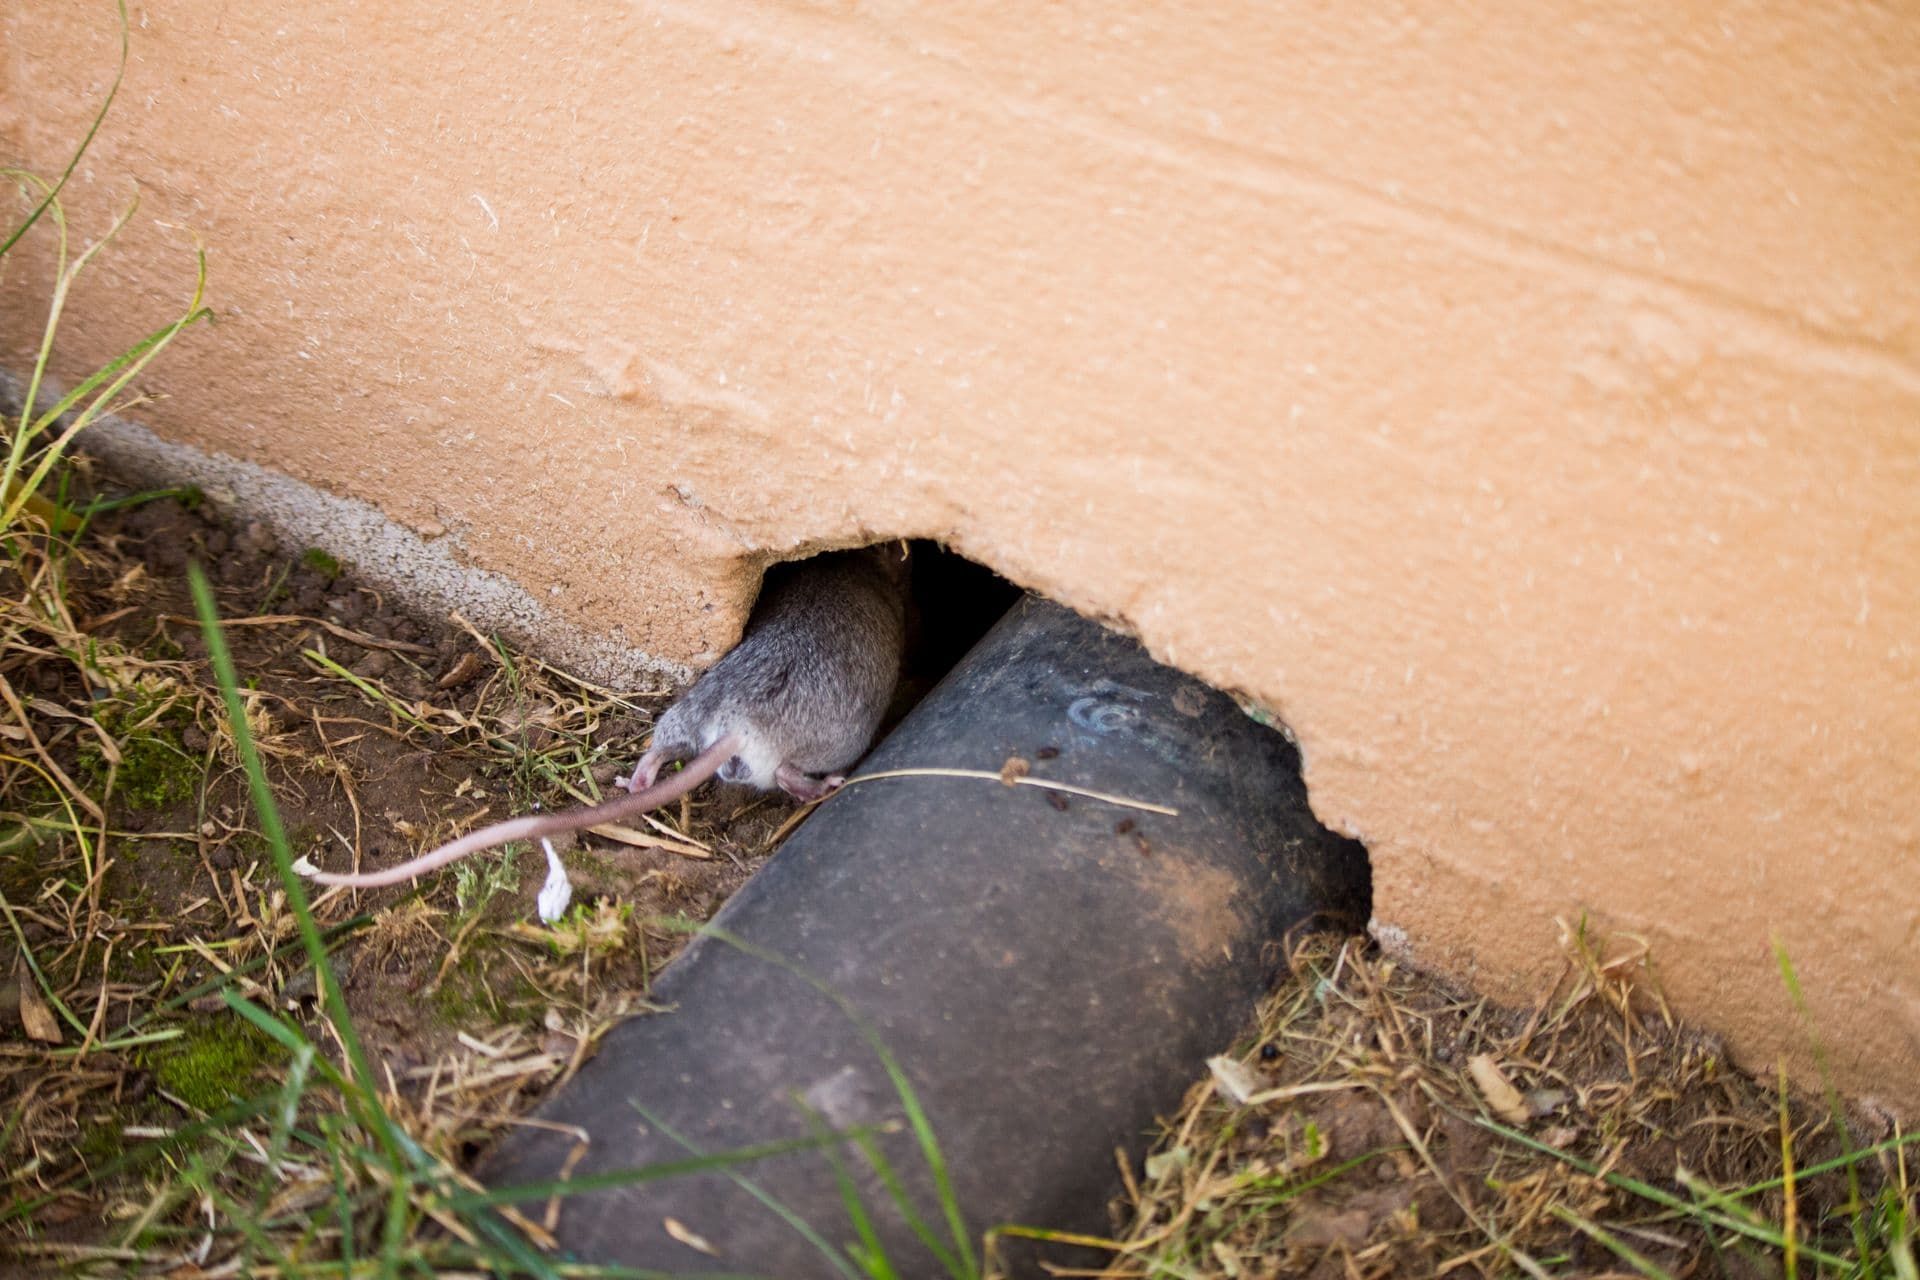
{"type": "Point", "coordinates": [1525, 404]}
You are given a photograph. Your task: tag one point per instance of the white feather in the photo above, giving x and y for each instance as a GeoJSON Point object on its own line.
{"type": "Point", "coordinates": [557, 892]}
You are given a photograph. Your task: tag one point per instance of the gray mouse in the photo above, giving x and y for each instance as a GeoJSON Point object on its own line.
{"type": "Point", "coordinates": [797, 700]}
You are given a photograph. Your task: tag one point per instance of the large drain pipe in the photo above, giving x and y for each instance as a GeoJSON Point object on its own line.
{"type": "Point", "coordinates": [1049, 970]}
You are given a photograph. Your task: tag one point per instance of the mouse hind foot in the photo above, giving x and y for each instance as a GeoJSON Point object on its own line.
{"type": "Point", "coordinates": [647, 770]}
{"type": "Point", "coordinates": [803, 788]}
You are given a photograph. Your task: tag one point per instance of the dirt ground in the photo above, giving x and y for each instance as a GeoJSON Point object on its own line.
{"type": "Point", "coordinates": [1377, 1124]}
{"type": "Point", "coordinates": [383, 733]}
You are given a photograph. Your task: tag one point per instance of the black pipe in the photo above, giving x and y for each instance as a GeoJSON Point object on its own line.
{"type": "Point", "coordinates": [1049, 970]}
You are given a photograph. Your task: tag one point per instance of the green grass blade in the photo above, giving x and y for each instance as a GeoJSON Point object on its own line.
{"type": "Point", "coordinates": [800, 1225]}
{"type": "Point", "coordinates": [187, 494]}
{"type": "Point", "coordinates": [122, 369]}
{"type": "Point", "coordinates": [288, 1037]}
{"type": "Point", "coordinates": [378, 697]}
{"type": "Point", "coordinates": [1665, 1199]}
{"type": "Point", "coordinates": [332, 999]}
{"type": "Point", "coordinates": [869, 1253]}
{"type": "Point", "coordinates": [342, 1202]}
{"type": "Point", "coordinates": [1827, 1166]}
{"type": "Point", "coordinates": [255, 1240]}
{"type": "Point", "coordinates": [285, 1114]}
{"type": "Point", "coordinates": [43, 354]}
{"type": "Point", "coordinates": [285, 1111]}
{"type": "Point", "coordinates": [1901, 1236]}
{"type": "Point", "coordinates": [917, 1121]}
{"type": "Point", "coordinates": [221, 981]}
{"type": "Point", "coordinates": [507, 1241]}
{"type": "Point", "coordinates": [1614, 1244]}
{"type": "Point", "coordinates": [40, 980]}
{"type": "Point", "coordinates": [117, 372]}
{"type": "Point", "coordinates": [99, 117]}
{"type": "Point", "coordinates": [711, 1163]}
{"type": "Point", "coordinates": [897, 1192]}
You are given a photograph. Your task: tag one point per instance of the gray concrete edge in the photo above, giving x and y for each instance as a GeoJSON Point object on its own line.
{"type": "Point", "coordinates": [428, 577]}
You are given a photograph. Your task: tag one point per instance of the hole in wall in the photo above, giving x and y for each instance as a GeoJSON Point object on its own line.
{"type": "Point", "coordinates": [953, 601]}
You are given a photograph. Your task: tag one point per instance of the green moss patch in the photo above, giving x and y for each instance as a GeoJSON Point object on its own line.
{"type": "Point", "coordinates": [320, 562]}
{"type": "Point", "coordinates": [156, 772]}
{"type": "Point", "coordinates": [213, 1063]}
{"type": "Point", "coordinates": [479, 990]}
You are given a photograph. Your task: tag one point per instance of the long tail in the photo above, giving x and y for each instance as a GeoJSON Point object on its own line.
{"type": "Point", "coordinates": [533, 826]}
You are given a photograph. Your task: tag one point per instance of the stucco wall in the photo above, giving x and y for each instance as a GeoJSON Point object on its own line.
{"type": "Point", "coordinates": [1524, 404]}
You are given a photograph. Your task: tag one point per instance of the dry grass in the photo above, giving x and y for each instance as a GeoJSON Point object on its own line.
{"type": "Point", "coordinates": [197, 954]}
{"type": "Point", "coordinates": [273, 1085]}
{"type": "Point", "coordinates": [1380, 1124]}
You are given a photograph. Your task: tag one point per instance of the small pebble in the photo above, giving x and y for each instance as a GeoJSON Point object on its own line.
{"type": "Point", "coordinates": [258, 538]}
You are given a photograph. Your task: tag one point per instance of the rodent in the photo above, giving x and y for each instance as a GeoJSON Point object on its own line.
{"type": "Point", "coordinates": [797, 700]}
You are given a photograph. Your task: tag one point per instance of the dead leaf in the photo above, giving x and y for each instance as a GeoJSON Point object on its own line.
{"type": "Point", "coordinates": [35, 1016]}
{"type": "Point", "coordinates": [1235, 1079]}
{"type": "Point", "coordinates": [679, 1231]}
{"type": "Point", "coordinates": [1162, 1163]}
{"type": "Point", "coordinates": [466, 668]}
{"type": "Point", "coordinates": [643, 840]}
{"type": "Point", "coordinates": [1497, 1089]}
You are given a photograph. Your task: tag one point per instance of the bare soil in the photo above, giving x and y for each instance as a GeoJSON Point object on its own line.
{"type": "Point", "coordinates": [436, 732]}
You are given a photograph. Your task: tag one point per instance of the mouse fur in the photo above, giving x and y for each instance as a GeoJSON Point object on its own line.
{"type": "Point", "coordinates": [806, 686]}
{"type": "Point", "coordinates": [799, 696]}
